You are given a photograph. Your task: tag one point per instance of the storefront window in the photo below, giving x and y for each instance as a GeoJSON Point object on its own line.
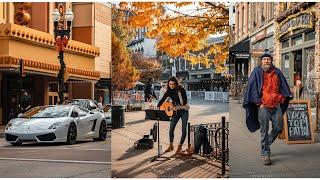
{"type": "Point", "coordinates": [285, 43]}
{"type": "Point", "coordinates": [310, 36]}
{"type": "Point", "coordinates": [310, 69]}
{"type": "Point", "coordinates": [297, 40]}
{"type": "Point", "coordinates": [270, 42]}
{"type": "Point", "coordinates": [297, 65]}
{"type": "Point", "coordinates": [285, 65]}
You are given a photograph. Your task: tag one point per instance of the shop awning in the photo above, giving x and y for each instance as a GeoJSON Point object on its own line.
{"type": "Point", "coordinates": [241, 47]}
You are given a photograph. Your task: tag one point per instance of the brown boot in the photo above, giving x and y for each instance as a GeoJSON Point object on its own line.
{"type": "Point", "coordinates": [170, 148]}
{"type": "Point", "coordinates": [189, 150]}
{"type": "Point", "coordinates": [179, 150]}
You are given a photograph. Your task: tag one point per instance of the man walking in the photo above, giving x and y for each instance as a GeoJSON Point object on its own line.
{"type": "Point", "coordinates": [149, 93]}
{"type": "Point", "coordinates": [266, 99]}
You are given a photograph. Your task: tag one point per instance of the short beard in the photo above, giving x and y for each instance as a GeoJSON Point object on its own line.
{"type": "Point", "coordinates": [266, 67]}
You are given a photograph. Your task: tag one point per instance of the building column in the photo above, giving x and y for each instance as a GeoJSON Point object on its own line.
{"type": "Point", "coordinates": [276, 42]}
{"type": "Point", "coordinates": [45, 91]}
{"type": "Point", "coordinates": [92, 89]}
{"type": "Point", "coordinates": [317, 48]}
{"type": "Point", "coordinates": [1, 109]}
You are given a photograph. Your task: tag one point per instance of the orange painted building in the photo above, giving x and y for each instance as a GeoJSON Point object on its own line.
{"type": "Point", "coordinates": [29, 36]}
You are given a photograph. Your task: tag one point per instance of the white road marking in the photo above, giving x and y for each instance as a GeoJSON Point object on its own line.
{"type": "Point", "coordinates": [57, 161]}
{"type": "Point", "coordinates": [27, 148]}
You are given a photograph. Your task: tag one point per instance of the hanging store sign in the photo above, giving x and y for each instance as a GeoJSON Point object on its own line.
{"type": "Point", "coordinates": [298, 21]}
{"type": "Point", "coordinates": [242, 55]}
{"type": "Point", "coordinates": [260, 35]}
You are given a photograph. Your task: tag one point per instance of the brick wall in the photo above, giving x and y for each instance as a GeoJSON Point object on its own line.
{"type": "Point", "coordinates": [317, 49]}
{"type": "Point", "coordinates": [103, 39]}
{"type": "Point", "coordinates": [103, 13]}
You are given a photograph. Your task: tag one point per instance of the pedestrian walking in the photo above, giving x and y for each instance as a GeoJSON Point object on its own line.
{"type": "Point", "coordinates": [267, 98]}
{"type": "Point", "coordinates": [149, 93]}
{"type": "Point", "coordinates": [25, 102]}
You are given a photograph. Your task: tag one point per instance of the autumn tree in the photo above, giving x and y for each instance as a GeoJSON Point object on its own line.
{"type": "Point", "coordinates": [148, 67]}
{"type": "Point", "coordinates": [124, 75]}
{"type": "Point", "coordinates": [120, 25]}
{"type": "Point", "coordinates": [183, 27]}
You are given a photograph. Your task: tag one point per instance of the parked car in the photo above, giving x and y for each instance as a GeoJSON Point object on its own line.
{"type": "Point", "coordinates": [59, 123]}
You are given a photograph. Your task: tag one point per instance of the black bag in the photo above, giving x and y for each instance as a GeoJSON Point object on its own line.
{"type": "Point", "coordinates": [144, 143]}
{"type": "Point", "coordinates": [201, 139]}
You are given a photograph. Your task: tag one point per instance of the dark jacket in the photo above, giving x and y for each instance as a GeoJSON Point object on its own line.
{"type": "Point", "coordinates": [149, 92]}
{"type": "Point", "coordinates": [253, 95]}
{"type": "Point", "coordinates": [173, 94]}
{"type": "Point", "coordinates": [25, 103]}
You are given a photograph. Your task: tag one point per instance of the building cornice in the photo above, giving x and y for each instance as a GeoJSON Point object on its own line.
{"type": "Point", "coordinates": [21, 33]}
{"type": "Point", "coordinates": [293, 10]}
{"type": "Point", "coordinates": [36, 66]}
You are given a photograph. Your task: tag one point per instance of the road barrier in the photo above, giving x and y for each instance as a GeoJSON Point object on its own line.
{"type": "Point", "coordinates": [134, 100]}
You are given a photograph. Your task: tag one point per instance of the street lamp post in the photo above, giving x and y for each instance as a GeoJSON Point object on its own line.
{"type": "Point", "coordinates": [173, 67]}
{"type": "Point", "coordinates": [61, 40]}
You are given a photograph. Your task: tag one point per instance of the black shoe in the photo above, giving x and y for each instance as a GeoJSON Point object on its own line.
{"type": "Point", "coordinates": [267, 160]}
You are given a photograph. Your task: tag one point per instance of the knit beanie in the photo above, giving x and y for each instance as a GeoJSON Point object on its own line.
{"type": "Point", "coordinates": [266, 53]}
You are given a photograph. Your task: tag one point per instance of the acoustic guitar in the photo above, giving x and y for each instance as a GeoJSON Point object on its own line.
{"type": "Point", "coordinates": [169, 108]}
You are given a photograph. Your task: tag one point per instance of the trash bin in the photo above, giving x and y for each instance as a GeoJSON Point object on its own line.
{"type": "Point", "coordinates": [117, 115]}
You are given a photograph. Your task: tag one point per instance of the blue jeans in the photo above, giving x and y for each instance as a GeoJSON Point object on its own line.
{"type": "Point", "coordinates": [184, 115]}
{"type": "Point", "coordinates": [265, 115]}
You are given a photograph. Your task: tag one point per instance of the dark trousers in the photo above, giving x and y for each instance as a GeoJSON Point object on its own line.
{"type": "Point", "coordinates": [184, 115]}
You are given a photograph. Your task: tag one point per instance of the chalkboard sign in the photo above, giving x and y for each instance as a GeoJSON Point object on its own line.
{"type": "Point", "coordinates": [297, 122]}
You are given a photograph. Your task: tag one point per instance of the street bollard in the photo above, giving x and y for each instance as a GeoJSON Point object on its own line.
{"type": "Point", "coordinates": [118, 116]}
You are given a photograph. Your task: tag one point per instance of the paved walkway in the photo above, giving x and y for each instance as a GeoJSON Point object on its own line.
{"type": "Point", "coordinates": [296, 160]}
{"type": "Point", "coordinates": [129, 162]}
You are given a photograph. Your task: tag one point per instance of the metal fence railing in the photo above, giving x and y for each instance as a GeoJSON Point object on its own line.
{"type": "Point", "coordinates": [217, 135]}
{"type": "Point", "coordinates": [134, 100]}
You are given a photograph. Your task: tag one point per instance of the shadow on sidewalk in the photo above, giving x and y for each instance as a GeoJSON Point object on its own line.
{"type": "Point", "coordinates": [137, 122]}
{"type": "Point", "coordinates": [177, 166]}
{"type": "Point", "coordinates": [131, 152]}
{"type": "Point", "coordinates": [128, 172]}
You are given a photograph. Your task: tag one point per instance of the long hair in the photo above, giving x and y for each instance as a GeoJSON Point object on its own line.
{"type": "Point", "coordinates": [175, 80]}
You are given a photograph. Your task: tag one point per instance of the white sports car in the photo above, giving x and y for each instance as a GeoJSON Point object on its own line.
{"type": "Point", "coordinates": [60, 123]}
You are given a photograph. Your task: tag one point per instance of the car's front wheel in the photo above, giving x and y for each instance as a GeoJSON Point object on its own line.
{"type": "Point", "coordinates": [102, 131]}
{"type": "Point", "coordinates": [72, 134]}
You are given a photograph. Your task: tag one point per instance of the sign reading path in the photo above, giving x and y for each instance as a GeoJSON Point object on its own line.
{"type": "Point", "coordinates": [297, 123]}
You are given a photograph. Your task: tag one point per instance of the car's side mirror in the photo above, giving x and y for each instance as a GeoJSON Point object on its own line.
{"type": "Point", "coordinates": [92, 107]}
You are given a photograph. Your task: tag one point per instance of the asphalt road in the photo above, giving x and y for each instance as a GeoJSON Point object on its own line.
{"type": "Point", "coordinates": [85, 159]}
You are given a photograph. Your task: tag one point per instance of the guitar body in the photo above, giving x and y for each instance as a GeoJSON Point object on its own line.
{"type": "Point", "coordinates": [167, 107]}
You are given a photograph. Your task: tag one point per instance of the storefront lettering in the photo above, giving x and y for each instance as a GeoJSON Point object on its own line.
{"type": "Point", "coordinates": [300, 20]}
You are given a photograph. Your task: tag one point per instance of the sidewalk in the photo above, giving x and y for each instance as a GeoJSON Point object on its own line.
{"type": "Point", "coordinates": [296, 160]}
{"type": "Point", "coordinates": [129, 162]}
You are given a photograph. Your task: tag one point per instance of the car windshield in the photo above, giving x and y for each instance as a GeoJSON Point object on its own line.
{"type": "Point", "coordinates": [79, 103]}
{"type": "Point", "coordinates": [51, 112]}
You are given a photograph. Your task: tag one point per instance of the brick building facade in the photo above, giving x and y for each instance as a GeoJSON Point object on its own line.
{"type": "Point", "coordinates": [290, 30]}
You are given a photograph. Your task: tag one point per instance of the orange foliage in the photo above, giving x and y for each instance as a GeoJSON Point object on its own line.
{"type": "Point", "coordinates": [148, 67]}
{"type": "Point", "coordinates": [124, 75]}
{"type": "Point", "coordinates": [179, 31]}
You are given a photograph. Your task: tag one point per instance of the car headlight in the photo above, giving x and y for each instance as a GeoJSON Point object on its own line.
{"type": "Point", "coordinates": [55, 125]}
{"type": "Point", "coordinates": [9, 125]}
